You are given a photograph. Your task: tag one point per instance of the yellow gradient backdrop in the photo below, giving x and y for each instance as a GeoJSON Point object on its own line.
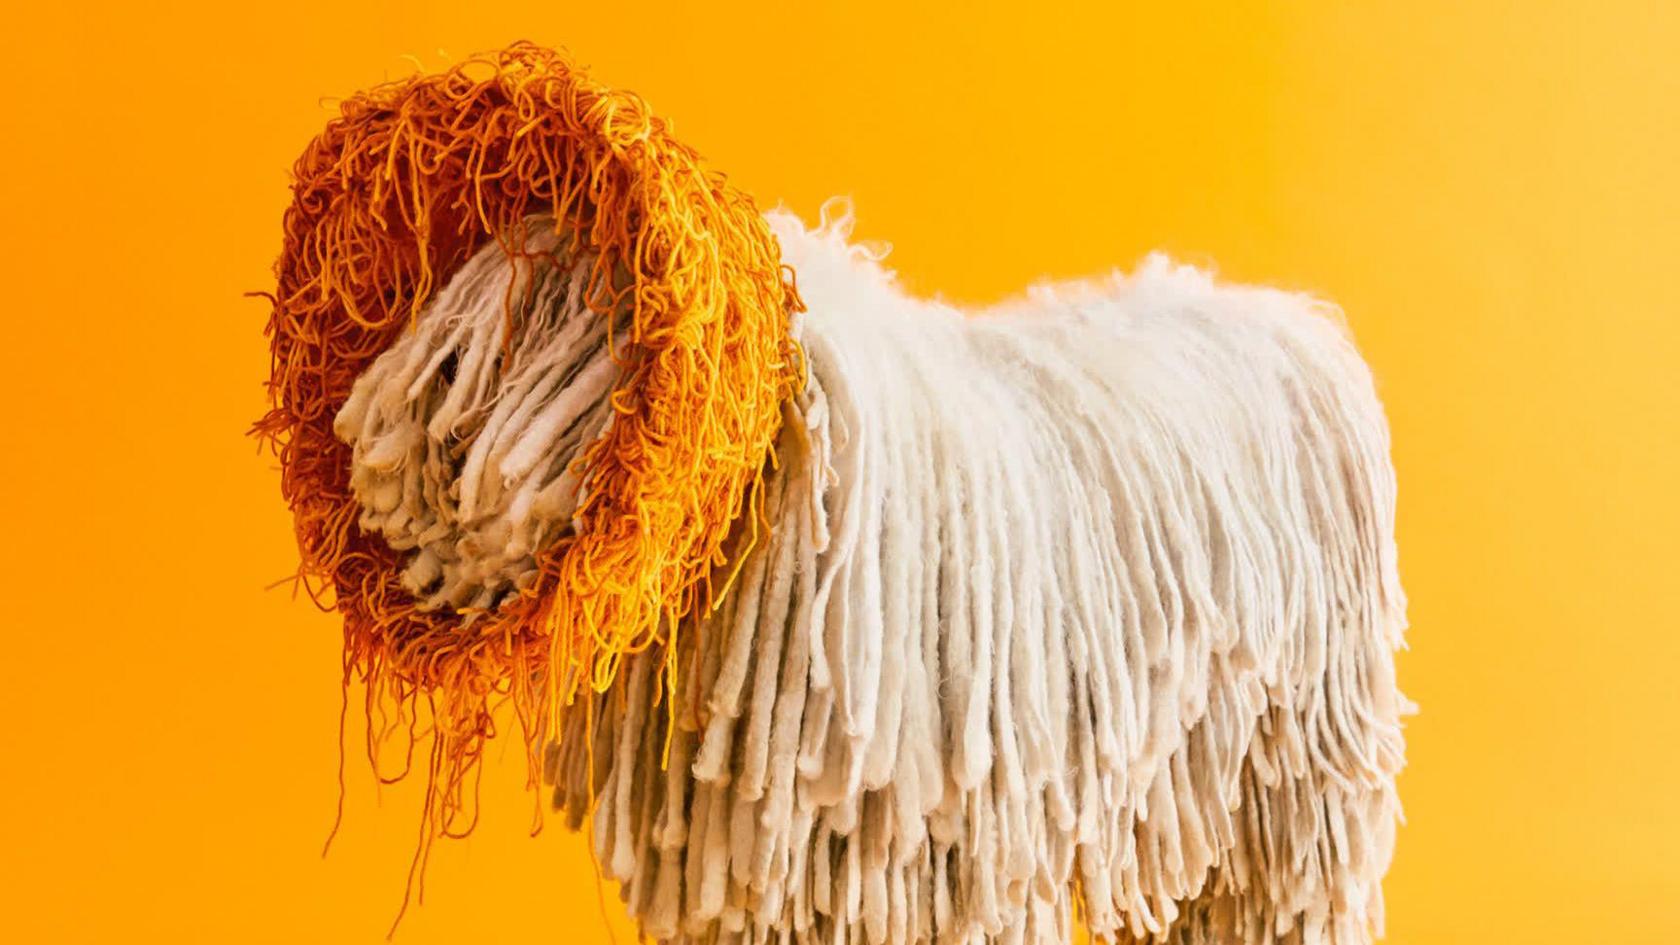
{"type": "Point", "coordinates": [1488, 188]}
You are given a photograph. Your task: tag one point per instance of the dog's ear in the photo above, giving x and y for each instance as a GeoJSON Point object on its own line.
{"type": "Point", "coordinates": [403, 186]}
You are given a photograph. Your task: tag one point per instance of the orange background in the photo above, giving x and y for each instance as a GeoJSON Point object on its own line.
{"type": "Point", "coordinates": [1489, 188]}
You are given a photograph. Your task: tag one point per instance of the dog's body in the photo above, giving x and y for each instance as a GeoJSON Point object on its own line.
{"type": "Point", "coordinates": [1087, 598]}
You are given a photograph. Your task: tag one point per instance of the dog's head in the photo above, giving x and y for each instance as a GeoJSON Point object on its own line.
{"type": "Point", "coordinates": [529, 356]}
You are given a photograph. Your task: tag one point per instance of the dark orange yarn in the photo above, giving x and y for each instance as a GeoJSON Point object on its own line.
{"type": "Point", "coordinates": [396, 192]}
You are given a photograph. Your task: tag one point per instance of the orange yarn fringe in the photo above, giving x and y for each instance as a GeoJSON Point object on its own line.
{"type": "Point", "coordinates": [398, 190]}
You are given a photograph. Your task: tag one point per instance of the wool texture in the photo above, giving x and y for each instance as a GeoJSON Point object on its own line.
{"type": "Point", "coordinates": [838, 615]}
{"type": "Point", "coordinates": [466, 434]}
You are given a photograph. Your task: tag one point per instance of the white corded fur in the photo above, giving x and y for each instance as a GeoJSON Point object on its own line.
{"type": "Point", "coordinates": [463, 440]}
{"type": "Point", "coordinates": [1087, 598]}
